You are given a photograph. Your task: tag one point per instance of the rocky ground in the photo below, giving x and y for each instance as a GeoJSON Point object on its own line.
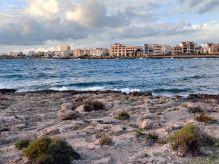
{"type": "Point", "coordinates": [36, 114]}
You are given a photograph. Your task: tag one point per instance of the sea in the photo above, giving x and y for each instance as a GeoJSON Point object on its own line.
{"type": "Point", "coordinates": [159, 76]}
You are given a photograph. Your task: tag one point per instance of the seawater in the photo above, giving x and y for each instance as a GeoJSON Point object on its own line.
{"type": "Point", "coordinates": [160, 76]}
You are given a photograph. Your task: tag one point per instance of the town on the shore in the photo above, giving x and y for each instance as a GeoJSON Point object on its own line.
{"type": "Point", "coordinates": [119, 50]}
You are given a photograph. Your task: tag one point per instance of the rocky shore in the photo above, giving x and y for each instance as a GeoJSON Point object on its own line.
{"type": "Point", "coordinates": [115, 133]}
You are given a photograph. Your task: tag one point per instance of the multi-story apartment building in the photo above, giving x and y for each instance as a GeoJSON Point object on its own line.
{"type": "Point", "coordinates": [153, 49]}
{"type": "Point", "coordinates": [214, 49]}
{"type": "Point", "coordinates": [81, 52]}
{"type": "Point", "coordinates": [177, 50]}
{"type": "Point", "coordinates": [167, 50]}
{"type": "Point", "coordinates": [99, 52]}
{"type": "Point", "coordinates": [118, 50]}
{"type": "Point", "coordinates": [130, 51]}
{"type": "Point", "coordinates": [188, 47]}
{"type": "Point", "coordinates": [210, 48]}
{"type": "Point", "coordinates": [139, 51]}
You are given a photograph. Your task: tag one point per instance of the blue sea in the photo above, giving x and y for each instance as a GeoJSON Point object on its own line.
{"type": "Point", "coordinates": [160, 76]}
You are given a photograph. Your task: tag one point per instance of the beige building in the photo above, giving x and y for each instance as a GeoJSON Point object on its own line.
{"type": "Point", "coordinates": [130, 51]}
{"type": "Point", "coordinates": [99, 52]}
{"type": "Point", "coordinates": [210, 48]}
{"type": "Point", "coordinates": [64, 48]}
{"type": "Point", "coordinates": [167, 50]}
{"type": "Point", "coordinates": [177, 50]}
{"type": "Point", "coordinates": [214, 49]}
{"type": "Point", "coordinates": [153, 49]}
{"type": "Point", "coordinates": [81, 52]}
{"type": "Point", "coordinates": [188, 47]}
{"type": "Point", "coordinates": [118, 50]}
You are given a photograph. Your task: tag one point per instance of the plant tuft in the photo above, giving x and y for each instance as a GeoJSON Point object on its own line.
{"type": "Point", "coordinates": [93, 106]}
{"type": "Point", "coordinates": [122, 116]}
{"type": "Point", "coordinates": [50, 151]}
{"type": "Point", "coordinates": [21, 144]}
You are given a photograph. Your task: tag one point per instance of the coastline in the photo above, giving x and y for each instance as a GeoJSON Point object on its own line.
{"type": "Point", "coordinates": [30, 115]}
{"type": "Point", "coordinates": [139, 57]}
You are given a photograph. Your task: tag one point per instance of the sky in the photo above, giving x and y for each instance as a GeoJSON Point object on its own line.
{"type": "Point", "coordinates": [43, 24]}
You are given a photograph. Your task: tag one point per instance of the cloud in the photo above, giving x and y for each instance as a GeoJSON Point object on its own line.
{"type": "Point", "coordinates": [93, 14]}
{"type": "Point", "coordinates": [44, 8]}
{"type": "Point", "coordinates": [87, 23]}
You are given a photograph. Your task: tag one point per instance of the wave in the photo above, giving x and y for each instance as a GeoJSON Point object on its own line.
{"type": "Point", "coordinates": [96, 88]}
{"type": "Point", "coordinates": [172, 90]}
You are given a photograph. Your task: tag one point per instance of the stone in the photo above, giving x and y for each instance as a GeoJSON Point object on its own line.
{"type": "Point", "coordinates": [67, 106]}
{"type": "Point", "coordinates": [118, 128]}
{"type": "Point", "coordinates": [80, 109]}
{"type": "Point", "coordinates": [148, 124]}
{"type": "Point", "coordinates": [106, 160]}
{"type": "Point", "coordinates": [49, 132]}
{"type": "Point", "coordinates": [67, 115]}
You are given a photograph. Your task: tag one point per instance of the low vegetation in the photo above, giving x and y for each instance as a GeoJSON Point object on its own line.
{"type": "Point", "coordinates": [187, 140]}
{"type": "Point", "coordinates": [122, 116]}
{"type": "Point", "coordinates": [139, 133]}
{"type": "Point", "coordinates": [21, 144]}
{"type": "Point", "coordinates": [190, 139]}
{"type": "Point", "coordinates": [105, 140]}
{"type": "Point", "coordinates": [152, 137]}
{"type": "Point", "coordinates": [50, 151]}
{"type": "Point", "coordinates": [195, 109]}
{"type": "Point", "coordinates": [202, 117]}
{"type": "Point", "coordinates": [93, 106]}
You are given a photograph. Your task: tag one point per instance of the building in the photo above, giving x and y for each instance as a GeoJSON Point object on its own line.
{"type": "Point", "coordinates": [64, 47]}
{"type": "Point", "coordinates": [214, 49]}
{"type": "Point", "coordinates": [167, 50]}
{"type": "Point", "coordinates": [118, 50]}
{"type": "Point", "coordinates": [81, 52]}
{"type": "Point", "coordinates": [63, 51]}
{"type": "Point", "coordinates": [139, 51]}
{"type": "Point", "coordinates": [153, 49]}
{"type": "Point", "coordinates": [99, 52]}
{"type": "Point", "coordinates": [209, 48]}
{"type": "Point", "coordinates": [130, 51]}
{"type": "Point", "coordinates": [177, 50]}
{"type": "Point", "coordinates": [188, 47]}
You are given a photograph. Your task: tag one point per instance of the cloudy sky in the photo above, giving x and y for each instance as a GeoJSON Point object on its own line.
{"type": "Point", "coordinates": [33, 24]}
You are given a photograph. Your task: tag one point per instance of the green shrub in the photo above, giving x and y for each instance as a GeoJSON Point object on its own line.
{"type": "Point", "coordinates": [139, 132]}
{"type": "Point", "coordinates": [152, 137]}
{"type": "Point", "coordinates": [21, 144]}
{"type": "Point", "coordinates": [195, 109]}
{"type": "Point", "coordinates": [50, 151]}
{"type": "Point", "coordinates": [122, 116]}
{"type": "Point", "coordinates": [105, 140]}
{"type": "Point", "coordinates": [203, 118]}
{"type": "Point", "coordinates": [187, 140]}
{"type": "Point", "coordinates": [93, 106]}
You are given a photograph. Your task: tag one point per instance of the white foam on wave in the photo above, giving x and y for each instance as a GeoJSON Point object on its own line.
{"type": "Point", "coordinates": [98, 88]}
{"type": "Point", "coordinates": [60, 88]}
{"type": "Point", "coordinates": [127, 90]}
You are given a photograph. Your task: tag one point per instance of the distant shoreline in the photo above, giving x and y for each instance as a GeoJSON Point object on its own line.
{"type": "Point", "coordinates": [140, 57]}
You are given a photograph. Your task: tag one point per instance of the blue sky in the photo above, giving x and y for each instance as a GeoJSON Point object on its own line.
{"type": "Point", "coordinates": [33, 24]}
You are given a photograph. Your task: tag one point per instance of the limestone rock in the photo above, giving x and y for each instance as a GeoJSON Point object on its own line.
{"type": "Point", "coordinates": [148, 124]}
{"type": "Point", "coordinates": [80, 109]}
{"type": "Point", "coordinates": [67, 106]}
{"type": "Point", "coordinates": [106, 160]}
{"type": "Point", "coordinates": [67, 115]}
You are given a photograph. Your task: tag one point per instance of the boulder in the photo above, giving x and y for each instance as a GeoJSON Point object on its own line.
{"type": "Point", "coordinates": [80, 109]}
{"type": "Point", "coordinates": [67, 106]}
{"type": "Point", "coordinates": [118, 128]}
{"type": "Point", "coordinates": [148, 124]}
{"type": "Point", "coordinates": [49, 132]}
{"type": "Point", "coordinates": [106, 160]}
{"type": "Point", "coordinates": [67, 115]}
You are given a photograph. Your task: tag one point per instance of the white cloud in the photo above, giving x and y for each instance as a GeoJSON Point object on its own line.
{"type": "Point", "coordinates": [44, 8]}
{"type": "Point", "coordinates": [88, 23]}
